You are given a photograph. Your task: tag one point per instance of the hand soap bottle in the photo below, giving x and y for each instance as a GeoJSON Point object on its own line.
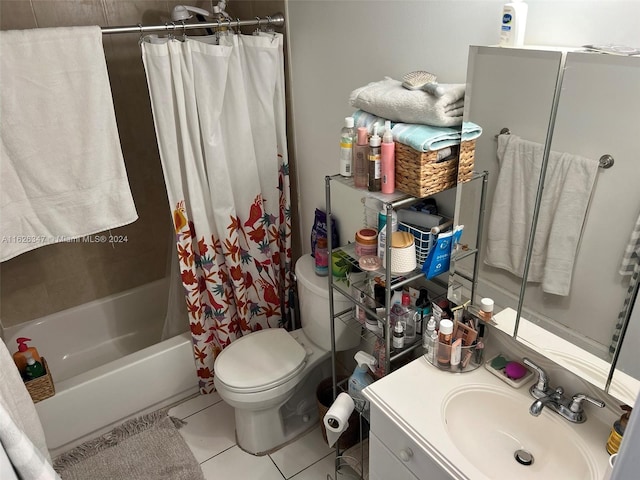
{"type": "Point", "coordinates": [20, 356]}
{"type": "Point", "coordinates": [360, 378]}
{"type": "Point", "coordinates": [33, 369]}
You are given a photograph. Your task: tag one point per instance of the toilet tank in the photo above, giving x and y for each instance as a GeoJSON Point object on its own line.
{"type": "Point", "coordinates": [313, 295]}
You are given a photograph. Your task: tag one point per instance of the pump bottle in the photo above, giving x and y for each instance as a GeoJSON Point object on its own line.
{"type": "Point", "coordinates": [360, 159]}
{"type": "Point", "coordinates": [33, 369]}
{"type": "Point", "coordinates": [360, 378]}
{"type": "Point", "coordinates": [346, 147]}
{"type": "Point", "coordinates": [387, 160]}
{"type": "Point", "coordinates": [20, 358]}
{"type": "Point", "coordinates": [375, 182]}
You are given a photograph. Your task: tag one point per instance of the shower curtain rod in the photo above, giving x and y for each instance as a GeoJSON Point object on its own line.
{"type": "Point", "coordinates": [275, 20]}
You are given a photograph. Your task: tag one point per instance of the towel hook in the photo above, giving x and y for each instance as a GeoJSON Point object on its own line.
{"type": "Point", "coordinates": [606, 161]}
{"type": "Point", "coordinates": [504, 131]}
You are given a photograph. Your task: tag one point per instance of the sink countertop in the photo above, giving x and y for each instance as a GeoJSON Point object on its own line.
{"type": "Point", "coordinates": [415, 398]}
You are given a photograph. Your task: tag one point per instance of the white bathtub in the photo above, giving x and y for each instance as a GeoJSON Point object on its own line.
{"type": "Point", "coordinates": [108, 363]}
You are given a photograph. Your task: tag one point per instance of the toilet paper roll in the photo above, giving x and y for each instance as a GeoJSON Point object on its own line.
{"type": "Point", "coordinates": [336, 420]}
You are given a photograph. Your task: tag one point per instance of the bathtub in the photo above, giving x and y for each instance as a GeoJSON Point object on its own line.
{"type": "Point", "coordinates": [108, 363]}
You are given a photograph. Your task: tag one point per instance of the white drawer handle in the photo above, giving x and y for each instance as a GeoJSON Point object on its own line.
{"type": "Point", "coordinates": [406, 454]}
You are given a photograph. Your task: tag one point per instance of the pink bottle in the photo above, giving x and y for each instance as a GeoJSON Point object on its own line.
{"type": "Point", "coordinates": [387, 160]}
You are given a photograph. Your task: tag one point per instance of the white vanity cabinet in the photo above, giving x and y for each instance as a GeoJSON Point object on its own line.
{"type": "Point", "coordinates": [429, 424]}
{"type": "Point", "coordinates": [399, 456]}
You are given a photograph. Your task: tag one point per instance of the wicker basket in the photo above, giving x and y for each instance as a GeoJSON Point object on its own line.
{"type": "Point", "coordinates": [420, 174]}
{"type": "Point", "coordinates": [41, 387]}
{"type": "Point", "coordinates": [466, 161]}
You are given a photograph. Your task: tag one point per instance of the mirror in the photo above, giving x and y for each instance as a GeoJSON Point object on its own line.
{"type": "Point", "coordinates": [594, 117]}
{"type": "Point", "coordinates": [501, 85]}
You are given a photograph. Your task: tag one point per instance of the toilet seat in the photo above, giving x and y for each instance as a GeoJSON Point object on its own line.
{"type": "Point", "coordinates": [260, 361]}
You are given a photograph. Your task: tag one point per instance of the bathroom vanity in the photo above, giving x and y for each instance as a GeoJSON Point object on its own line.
{"type": "Point", "coordinates": [431, 424]}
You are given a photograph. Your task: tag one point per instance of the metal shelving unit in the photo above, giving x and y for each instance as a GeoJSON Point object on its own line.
{"type": "Point", "coordinates": [390, 203]}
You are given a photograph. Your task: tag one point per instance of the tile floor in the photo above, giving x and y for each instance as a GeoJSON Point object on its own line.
{"type": "Point", "coordinates": [210, 433]}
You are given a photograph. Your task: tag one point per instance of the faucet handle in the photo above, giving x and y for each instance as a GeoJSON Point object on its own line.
{"type": "Point", "coordinates": [578, 398]}
{"type": "Point", "coordinates": [543, 379]}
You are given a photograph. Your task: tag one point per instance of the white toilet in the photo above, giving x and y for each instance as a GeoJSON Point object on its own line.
{"type": "Point", "coordinates": [270, 376]}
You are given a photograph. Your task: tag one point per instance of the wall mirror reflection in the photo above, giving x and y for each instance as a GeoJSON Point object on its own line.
{"type": "Point", "coordinates": [575, 300]}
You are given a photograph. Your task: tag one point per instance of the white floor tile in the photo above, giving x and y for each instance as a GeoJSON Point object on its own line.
{"type": "Point", "coordinates": [210, 431]}
{"type": "Point", "coordinates": [319, 470]}
{"type": "Point", "coordinates": [298, 455]}
{"type": "Point", "coordinates": [235, 464]}
{"type": "Point", "coordinates": [194, 405]}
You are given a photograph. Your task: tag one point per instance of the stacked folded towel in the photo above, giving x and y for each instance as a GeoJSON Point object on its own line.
{"type": "Point", "coordinates": [389, 99]}
{"type": "Point", "coordinates": [422, 138]}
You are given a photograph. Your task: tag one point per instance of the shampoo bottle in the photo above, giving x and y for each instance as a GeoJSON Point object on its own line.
{"type": "Point", "coordinates": [346, 147]}
{"type": "Point", "coordinates": [20, 356]}
{"type": "Point", "coordinates": [387, 160]}
{"type": "Point", "coordinates": [360, 378]}
{"type": "Point", "coordinates": [513, 23]}
{"type": "Point", "coordinates": [375, 180]}
{"type": "Point", "coordinates": [360, 159]}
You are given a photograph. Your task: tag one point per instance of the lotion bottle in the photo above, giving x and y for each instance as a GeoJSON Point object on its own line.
{"type": "Point", "coordinates": [387, 160]}
{"type": "Point", "coordinates": [513, 23]}
{"type": "Point", "coordinates": [444, 343]}
{"type": "Point", "coordinates": [346, 147]}
{"type": "Point", "coordinates": [360, 159]}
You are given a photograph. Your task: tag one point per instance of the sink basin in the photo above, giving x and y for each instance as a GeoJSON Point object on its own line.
{"type": "Point", "coordinates": [503, 426]}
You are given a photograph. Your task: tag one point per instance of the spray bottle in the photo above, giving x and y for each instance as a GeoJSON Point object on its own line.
{"type": "Point", "coordinates": [360, 378]}
{"type": "Point", "coordinates": [375, 180]}
{"type": "Point", "coordinates": [387, 160]}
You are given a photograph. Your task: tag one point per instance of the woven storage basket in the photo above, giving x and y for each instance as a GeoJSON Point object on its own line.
{"type": "Point", "coordinates": [466, 161]}
{"type": "Point", "coordinates": [420, 174]}
{"type": "Point", "coordinates": [41, 387]}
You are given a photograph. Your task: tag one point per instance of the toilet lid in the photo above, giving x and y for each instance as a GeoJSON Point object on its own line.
{"type": "Point", "coordinates": [260, 360]}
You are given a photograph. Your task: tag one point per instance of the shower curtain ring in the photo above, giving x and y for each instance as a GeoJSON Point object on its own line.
{"type": "Point", "coordinates": [184, 31]}
{"type": "Point", "coordinates": [257, 30]}
{"type": "Point", "coordinates": [141, 39]}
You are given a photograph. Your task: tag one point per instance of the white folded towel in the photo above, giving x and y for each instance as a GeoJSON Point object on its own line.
{"type": "Point", "coordinates": [62, 172]}
{"type": "Point", "coordinates": [568, 185]}
{"type": "Point", "coordinates": [21, 434]}
{"type": "Point", "coordinates": [389, 99]}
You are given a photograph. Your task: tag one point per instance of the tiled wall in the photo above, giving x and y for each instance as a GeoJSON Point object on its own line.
{"type": "Point", "coordinates": [60, 276]}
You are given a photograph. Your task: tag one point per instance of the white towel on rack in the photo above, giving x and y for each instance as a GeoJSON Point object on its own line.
{"type": "Point", "coordinates": [568, 185]}
{"type": "Point", "coordinates": [62, 171]}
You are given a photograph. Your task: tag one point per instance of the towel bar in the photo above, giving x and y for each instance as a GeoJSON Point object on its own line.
{"type": "Point", "coordinates": [605, 161]}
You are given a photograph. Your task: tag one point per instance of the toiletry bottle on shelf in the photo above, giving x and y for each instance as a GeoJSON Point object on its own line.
{"type": "Point", "coordinates": [398, 336]}
{"type": "Point", "coordinates": [444, 343]}
{"type": "Point", "coordinates": [322, 257]}
{"type": "Point", "coordinates": [513, 23]}
{"type": "Point", "coordinates": [409, 320]}
{"type": "Point", "coordinates": [382, 234]}
{"type": "Point", "coordinates": [360, 159]}
{"type": "Point", "coordinates": [20, 358]}
{"type": "Point", "coordinates": [375, 183]}
{"type": "Point", "coordinates": [387, 160]}
{"type": "Point", "coordinates": [33, 369]}
{"type": "Point", "coordinates": [346, 147]}
{"type": "Point", "coordinates": [360, 378]}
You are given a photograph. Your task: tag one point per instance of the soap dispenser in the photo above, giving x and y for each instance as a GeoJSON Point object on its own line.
{"type": "Point", "coordinates": [360, 378]}
{"type": "Point", "coordinates": [33, 369]}
{"type": "Point", "coordinates": [20, 358]}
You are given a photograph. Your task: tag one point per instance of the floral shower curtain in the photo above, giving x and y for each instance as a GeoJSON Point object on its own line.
{"type": "Point", "coordinates": [219, 114]}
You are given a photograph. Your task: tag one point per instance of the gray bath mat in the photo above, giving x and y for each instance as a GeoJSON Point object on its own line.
{"type": "Point", "coordinates": [147, 447]}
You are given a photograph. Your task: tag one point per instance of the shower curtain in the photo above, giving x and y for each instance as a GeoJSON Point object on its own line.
{"type": "Point", "coordinates": [219, 115]}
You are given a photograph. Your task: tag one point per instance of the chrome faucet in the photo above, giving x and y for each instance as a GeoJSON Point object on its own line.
{"type": "Point", "coordinates": [554, 399]}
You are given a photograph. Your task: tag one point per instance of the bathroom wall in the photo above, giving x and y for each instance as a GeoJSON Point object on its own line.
{"type": "Point", "coordinates": [60, 276]}
{"type": "Point", "coordinates": [337, 46]}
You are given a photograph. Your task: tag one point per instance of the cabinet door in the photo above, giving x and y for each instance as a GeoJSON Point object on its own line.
{"type": "Point", "coordinates": [383, 465]}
